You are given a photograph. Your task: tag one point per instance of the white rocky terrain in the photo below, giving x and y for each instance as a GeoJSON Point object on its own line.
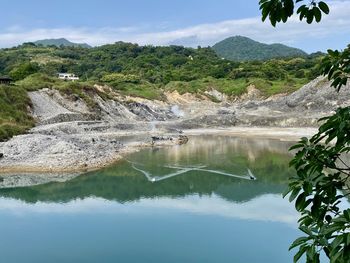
{"type": "Point", "coordinates": [72, 137]}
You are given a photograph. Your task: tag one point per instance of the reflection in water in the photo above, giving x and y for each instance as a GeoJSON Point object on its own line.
{"type": "Point", "coordinates": [267, 159]}
{"type": "Point", "coordinates": [182, 170]}
{"type": "Point", "coordinates": [195, 216]}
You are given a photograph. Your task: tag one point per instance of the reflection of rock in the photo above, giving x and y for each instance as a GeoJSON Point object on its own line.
{"type": "Point", "coordinates": [169, 140]}
{"type": "Point", "coordinates": [121, 183]}
{"type": "Point", "coordinates": [22, 180]}
{"type": "Point", "coordinates": [125, 185]}
{"type": "Point", "coordinates": [182, 139]}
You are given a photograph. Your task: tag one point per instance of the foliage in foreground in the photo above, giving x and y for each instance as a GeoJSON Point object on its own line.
{"type": "Point", "coordinates": [325, 164]}
{"type": "Point", "coordinates": [322, 184]}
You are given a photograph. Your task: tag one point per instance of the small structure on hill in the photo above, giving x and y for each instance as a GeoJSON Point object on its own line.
{"type": "Point", "coordinates": [5, 80]}
{"type": "Point", "coordinates": [68, 76]}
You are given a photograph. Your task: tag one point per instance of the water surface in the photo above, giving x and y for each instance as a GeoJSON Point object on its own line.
{"type": "Point", "coordinates": [121, 215]}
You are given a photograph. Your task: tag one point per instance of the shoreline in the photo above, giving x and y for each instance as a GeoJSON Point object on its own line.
{"type": "Point", "coordinates": [283, 134]}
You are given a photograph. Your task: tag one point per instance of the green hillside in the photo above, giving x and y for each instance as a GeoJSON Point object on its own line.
{"type": "Point", "coordinates": [143, 71]}
{"type": "Point", "coordinates": [240, 48]}
{"type": "Point", "coordinates": [60, 42]}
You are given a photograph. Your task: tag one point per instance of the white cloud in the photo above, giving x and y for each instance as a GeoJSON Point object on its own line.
{"type": "Point", "coordinates": [277, 210]}
{"type": "Point", "coordinates": [335, 24]}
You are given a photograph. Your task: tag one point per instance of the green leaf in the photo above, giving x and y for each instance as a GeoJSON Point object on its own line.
{"type": "Point", "coordinates": [298, 242]}
{"type": "Point", "coordinates": [335, 257]}
{"type": "Point", "coordinates": [347, 214]}
{"type": "Point", "coordinates": [311, 253]}
{"type": "Point", "coordinates": [317, 14]}
{"type": "Point", "coordinates": [332, 229]}
{"type": "Point", "coordinates": [294, 194]}
{"type": "Point", "coordinates": [298, 255]}
{"type": "Point", "coordinates": [324, 7]}
{"type": "Point", "coordinates": [296, 146]}
{"type": "Point", "coordinates": [286, 192]}
{"type": "Point", "coordinates": [299, 203]}
{"type": "Point", "coordinates": [337, 241]}
{"type": "Point", "coordinates": [309, 16]}
{"type": "Point", "coordinates": [306, 230]}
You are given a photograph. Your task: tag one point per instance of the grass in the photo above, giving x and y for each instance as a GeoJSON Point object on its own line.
{"type": "Point", "coordinates": [237, 87]}
{"type": "Point", "coordinates": [37, 81]}
{"type": "Point", "coordinates": [269, 88]}
{"type": "Point", "coordinates": [14, 116]}
{"type": "Point", "coordinates": [147, 90]}
{"type": "Point", "coordinates": [83, 90]}
{"type": "Point", "coordinates": [226, 86]}
{"type": "Point", "coordinates": [144, 90]}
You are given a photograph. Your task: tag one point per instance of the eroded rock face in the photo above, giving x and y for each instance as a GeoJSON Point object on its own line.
{"type": "Point", "coordinates": [311, 102]}
{"type": "Point", "coordinates": [299, 109]}
{"type": "Point", "coordinates": [252, 94]}
{"type": "Point", "coordinates": [145, 112]}
{"type": "Point", "coordinates": [315, 97]}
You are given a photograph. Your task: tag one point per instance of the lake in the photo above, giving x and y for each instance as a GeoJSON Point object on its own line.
{"type": "Point", "coordinates": [192, 203]}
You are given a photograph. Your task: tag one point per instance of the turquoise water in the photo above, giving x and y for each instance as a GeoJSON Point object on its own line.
{"type": "Point", "coordinates": [139, 211]}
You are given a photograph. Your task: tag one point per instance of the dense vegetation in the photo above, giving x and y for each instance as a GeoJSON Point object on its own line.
{"type": "Point", "coordinates": [13, 111]}
{"type": "Point", "coordinates": [154, 66]}
{"type": "Point", "coordinates": [144, 71]}
{"type": "Point", "coordinates": [240, 48]}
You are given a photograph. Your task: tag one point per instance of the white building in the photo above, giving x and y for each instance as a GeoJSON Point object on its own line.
{"type": "Point", "coordinates": [68, 76]}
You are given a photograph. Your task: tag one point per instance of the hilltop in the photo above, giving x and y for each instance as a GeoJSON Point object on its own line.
{"type": "Point", "coordinates": [240, 48]}
{"type": "Point", "coordinates": [60, 42]}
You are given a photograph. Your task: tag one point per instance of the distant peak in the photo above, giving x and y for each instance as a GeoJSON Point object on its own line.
{"type": "Point", "coordinates": [60, 42]}
{"type": "Point", "coordinates": [241, 48]}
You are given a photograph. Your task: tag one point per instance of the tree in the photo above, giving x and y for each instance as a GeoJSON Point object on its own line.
{"type": "Point", "coordinates": [24, 70]}
{"type": "Point", "coordinates": [322, 179]}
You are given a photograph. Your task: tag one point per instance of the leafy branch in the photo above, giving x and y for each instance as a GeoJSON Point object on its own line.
{"type": "Point", "coordinates": [322, 177]}
{"type": "Point", "coordinates": [281, 10]}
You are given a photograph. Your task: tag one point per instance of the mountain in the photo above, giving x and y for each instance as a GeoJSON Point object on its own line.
{"type": "Point", "coordinates": [60, 42]}
{"type": "Point", "coordinates": [240, 48]}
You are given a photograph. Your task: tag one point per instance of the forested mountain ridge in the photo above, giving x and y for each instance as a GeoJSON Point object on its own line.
{"type": "Point", "coordinates": [240, 48]}
{"type": "Point", "coordinates": [60, 42]}
{"type": "Point", "coordinates": [154, 64]}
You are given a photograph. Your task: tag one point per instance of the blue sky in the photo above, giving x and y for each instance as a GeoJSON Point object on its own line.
{"type": "Point", "coordinates": [161, 22]}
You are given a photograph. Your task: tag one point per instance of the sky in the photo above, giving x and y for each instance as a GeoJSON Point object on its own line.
{"type": "Point", "coordinates": [164, 22]}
